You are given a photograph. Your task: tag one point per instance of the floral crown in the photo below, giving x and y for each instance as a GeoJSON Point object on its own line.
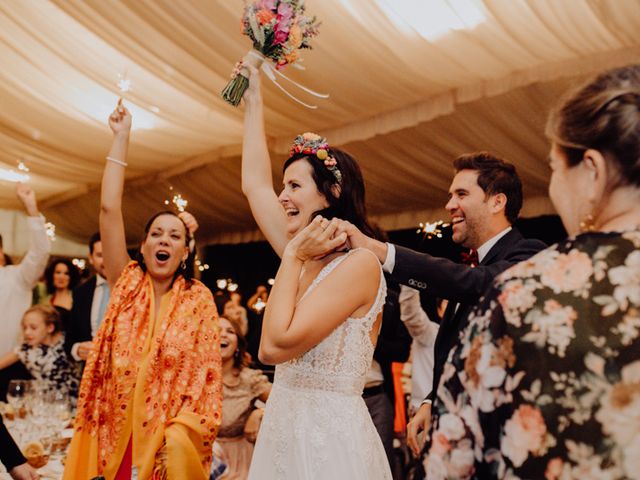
{"type": "Point", "coordinates": [311, 144]}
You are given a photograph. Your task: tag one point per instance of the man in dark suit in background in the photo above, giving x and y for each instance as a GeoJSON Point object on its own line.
{"type": "Point", "coordinates": [89, 304]}
{"type": "Point", "coordinates": [485, 199]}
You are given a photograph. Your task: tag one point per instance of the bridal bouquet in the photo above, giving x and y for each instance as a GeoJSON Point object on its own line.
{"type": "Point", "coordinates": [279, 29]}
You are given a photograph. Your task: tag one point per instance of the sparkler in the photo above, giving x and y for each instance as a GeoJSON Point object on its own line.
{"type": "Point", "coordinates": [432, 229]}
{"type": "Point", "coordinates": [124, 84]}
{"type": "Point", "coordinates": [51, 231]}
{"type": "Point", "coordinates": [179, 202]}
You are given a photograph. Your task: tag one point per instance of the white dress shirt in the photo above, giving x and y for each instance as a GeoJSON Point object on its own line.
{"type": "Point", "coordinates": [488, 245]}
{"type": "Point", "coordinates": [98, 293]}
{"type": "Point", "coordinates": [17, 282]}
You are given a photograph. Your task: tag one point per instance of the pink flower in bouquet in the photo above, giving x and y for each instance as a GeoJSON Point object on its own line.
{"type": "Point", "coordinates": [285, 12]}
{"type": "Point", "coordinates": [280, 37]}
{"type": "Point", "coordinates": [265, 16]}
{"type": "Point", "coordinates": [268, 4]}
{"type": "Point", "coordinates": [285, 15]}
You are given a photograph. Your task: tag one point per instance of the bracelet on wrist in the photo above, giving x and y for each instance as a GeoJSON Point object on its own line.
{"type": "Point", "coordinates": [119, 162]}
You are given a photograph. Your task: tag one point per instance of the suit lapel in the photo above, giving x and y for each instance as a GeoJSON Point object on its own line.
{"type": "Point", "coordinates": [501, 246]}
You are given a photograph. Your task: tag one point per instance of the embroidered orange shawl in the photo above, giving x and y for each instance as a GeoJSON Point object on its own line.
{"type": "Point", "coordinates": [177, 381]}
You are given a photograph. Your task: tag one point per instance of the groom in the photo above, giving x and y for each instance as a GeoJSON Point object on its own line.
{"type": "Point", "coordinates": [485, 198]}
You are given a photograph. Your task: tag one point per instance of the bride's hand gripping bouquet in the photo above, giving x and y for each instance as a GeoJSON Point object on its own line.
{"type": "Point", "coordinates": [279, 29]}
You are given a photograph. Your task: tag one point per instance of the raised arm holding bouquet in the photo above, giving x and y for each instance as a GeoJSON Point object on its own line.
{"type": "Point", "coordinates": [279, 29]}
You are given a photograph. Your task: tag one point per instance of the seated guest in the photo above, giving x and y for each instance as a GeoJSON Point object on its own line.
{"type": "Point", "coordinates": [61, 277]}
{"type": "Point", "coordinates": [242, 386]}
{"type": "Point", "coordinates": [12, 458]}
{"type": "Point", "coordinates": [90, 301]}
{"type": "Point", "coordinates": [42, 352]}
{"type": "Point", "coordinates": [545, 382]}
{"type": "Point", "coordinates": [17, 281]}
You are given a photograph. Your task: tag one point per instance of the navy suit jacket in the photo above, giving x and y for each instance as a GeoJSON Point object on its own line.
{"type": "Point", "coordinates": [78, 328]}
{"type": "Point", "coordinates": [460, 284]}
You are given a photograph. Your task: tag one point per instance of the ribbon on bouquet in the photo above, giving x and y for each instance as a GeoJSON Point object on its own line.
{"type": "Point", "coordinates": [259, 61]}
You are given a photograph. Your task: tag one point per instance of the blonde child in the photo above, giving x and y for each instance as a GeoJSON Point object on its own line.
{"type": "Point", "coordinates": [42, 352]}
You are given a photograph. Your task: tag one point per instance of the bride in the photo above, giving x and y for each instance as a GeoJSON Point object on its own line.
{"type": "Point", "coordinates": [323, 315]}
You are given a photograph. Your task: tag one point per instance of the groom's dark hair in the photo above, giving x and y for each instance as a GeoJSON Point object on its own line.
{"type": "Point", "coordinates": [495, 176]}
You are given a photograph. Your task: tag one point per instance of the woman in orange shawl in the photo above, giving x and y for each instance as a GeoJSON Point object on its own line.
{"type": "Point", "coordinates": [151, 394]}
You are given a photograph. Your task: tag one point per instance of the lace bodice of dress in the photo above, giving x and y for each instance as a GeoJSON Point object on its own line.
{"type": "Point", "coordinates": [340, 362]}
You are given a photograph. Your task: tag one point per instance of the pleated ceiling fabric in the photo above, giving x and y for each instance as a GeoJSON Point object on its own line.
{"type": "Point", "coordinates": [404, 104]}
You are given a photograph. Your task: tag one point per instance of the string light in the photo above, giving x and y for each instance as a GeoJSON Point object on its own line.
{"type": "Point", "coordinates": [271, 281]}
{"type": "Point", "coordinates": [221, 283]}
{"type": "Point", "coordinates": [201, 266]}
{"type": "Point", "coordinates": [232, 287]}
{"type": "Point", "coordinates": [81, 263]}
{"type": "Point", "coordinates": [433, 229]}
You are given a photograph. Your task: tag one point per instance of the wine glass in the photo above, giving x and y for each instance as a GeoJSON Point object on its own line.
{"type": "Point", "coordinates": [17, 393]}
{"type": "Point", "coordinates": [60, 415]}
{"type": "Point", "coordinates": [17, 397]}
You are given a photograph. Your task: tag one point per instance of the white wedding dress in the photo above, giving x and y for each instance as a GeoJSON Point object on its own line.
{"type": "Point", "coordinates": [316, 424]}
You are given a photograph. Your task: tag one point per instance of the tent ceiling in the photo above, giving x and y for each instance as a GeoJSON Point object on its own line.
{"type": "Point", "coordinates": [403, 104]}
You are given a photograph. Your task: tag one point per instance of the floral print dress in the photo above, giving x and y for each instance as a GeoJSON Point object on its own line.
{"type": "Point", "coordinates": [545, 382]}
{"type": "Point", "coordinates": [50, 364]}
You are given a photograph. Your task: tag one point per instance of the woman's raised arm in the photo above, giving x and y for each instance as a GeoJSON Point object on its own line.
{"type": "Point", "coordinates": [114, 244]}
{"type": "Point", "coordinates": [257, 180]}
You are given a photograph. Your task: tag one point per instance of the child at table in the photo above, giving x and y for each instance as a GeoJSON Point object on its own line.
{"type": "Point", "coordinates": [42, 352]}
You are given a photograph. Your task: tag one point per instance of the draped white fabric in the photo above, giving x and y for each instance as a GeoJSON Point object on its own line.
{"type": "Point", "coordinates": [403, 103]}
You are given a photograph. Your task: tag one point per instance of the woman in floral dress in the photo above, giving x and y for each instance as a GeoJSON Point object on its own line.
{"type": "Point", "coordinates": [545, 382]}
